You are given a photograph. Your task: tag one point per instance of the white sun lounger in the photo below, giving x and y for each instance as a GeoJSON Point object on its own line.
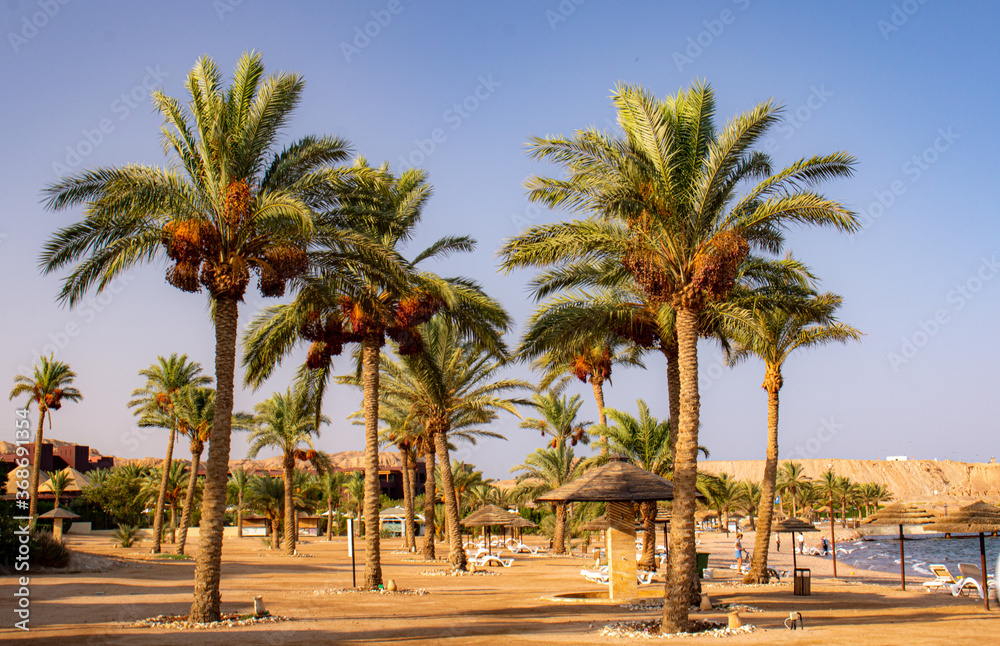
{"type": "Point", "coordinates": [643, 577]}
{"type": "Point", "coordinates": [942, 578]}
{"type": "Point", "coordinates": [495, 561]}
{"type": "Point", "coordinates": [971, 579]}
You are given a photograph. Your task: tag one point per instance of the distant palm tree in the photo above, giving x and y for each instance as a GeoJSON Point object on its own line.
{"type": "Point", "coordinates": [791, 478]}
{"type": "Point", "coordinates": [239, 483]}
{"type": "Point", "coordinates": [267, 498]}
{"type": "Point", "coordinates": [286, 422]}
{"type": "Point", "coordinates": [57, 483]}
{"type": "Point", "coordinates": [231, 203]}
{"type": "Point", "coordinates": [48, 387]}
{"type": "Point", "coordinates": [547, 469]}
{"type": "Point", "coordinates": [152, 483]}
{"type": "Point", "coordinates": [779, 332]}
{"type": "Point", "coordinates": [464, 477]}
{"type": "Point", "coordinates": [356, 497]}
{"type": "Point", "coordinates": [751, 500]}
{"type": "Point", "coordinates": [331, 486]}
{"type": "Point", "coordinates": [154, 403]}
{"type": "Point", "coordinates": [646, 443]}
{"type": "Point", "coordinates": [558, 419]}
{"type": "Point", "coordinates": [407, 439]}
{"type": "Point", "coordinates": [724, 494]}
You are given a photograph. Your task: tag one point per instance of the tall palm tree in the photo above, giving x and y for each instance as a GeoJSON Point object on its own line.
{"type": "Point", "coordinates": [49, 385]}
{"type": "Point", "coordinates": [558, 419]}
{"type": "Point", "coordinates": [154, 403]}
{"type": "Point", "coordinates": [778, 333]}
{"type": "Point", "coordinates": [230, 203]}
{"type": "Point", "coordinates": [645, 441]}
{"type": "Point", "coordinates": [57, 483]}
{"type": "Point", "coordinates": [791, 477]}
{"type": "Point", "coordinates": [153, 482]}
{"type": "Point", "coordinates": [407, 439]}
{"type": "Point", "coordinates": [286, 422]}
{"type": "Point", "coordinates": [331, 485]}
{"type": "Point", "coordinates": [239, 483]}
{"type": "Point", "coordinates": [267, 497]}
{"type": "Point", "coordinates": [547, 469]}
{"type": "Point", "coordinates": [452, 387]}
{"type": "Point", "coordinates": [674, 203]}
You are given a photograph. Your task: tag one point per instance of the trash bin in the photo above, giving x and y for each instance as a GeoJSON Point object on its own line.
{"type": "Point", "coordinates": [702, 563]}
{"type": "Point", "coordinates": [802, 582]}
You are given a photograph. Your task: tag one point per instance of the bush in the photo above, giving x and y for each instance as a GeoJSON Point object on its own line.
{"type": "Point", "coordinates": [126, 535]}
{"type": "Point", "coordinates": [47, 551]}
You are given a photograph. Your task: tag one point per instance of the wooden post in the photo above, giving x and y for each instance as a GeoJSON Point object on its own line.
{"type": "Point", "coordinates": [985, 582]}
{"type": "Point", "coordinates": [902, 563]}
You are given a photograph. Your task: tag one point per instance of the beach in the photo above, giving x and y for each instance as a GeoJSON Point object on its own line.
{"type": "Point", "coordinates": [506, 606]}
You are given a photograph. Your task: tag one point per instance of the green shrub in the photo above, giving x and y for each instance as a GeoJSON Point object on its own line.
{"type": "Point", "coordinates": [126, 535]}
{"type": "Point", "coordinates": [47, 551]}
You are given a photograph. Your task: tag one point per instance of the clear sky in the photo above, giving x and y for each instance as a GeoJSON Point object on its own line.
{"type": "Point", "coordinates": [908, 87]}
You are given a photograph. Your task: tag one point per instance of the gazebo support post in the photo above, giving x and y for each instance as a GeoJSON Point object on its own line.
{"type": "Point", "coordinates": [902, 562]}
{"type": "Point", "coordinates": [621, 551]}
{"type": "Point", "coordinates": [982, 558]}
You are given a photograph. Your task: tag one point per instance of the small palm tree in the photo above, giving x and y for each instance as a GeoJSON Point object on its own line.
{"type": "Point", "coordinates": [239, 483]}
{"type": "Point", "coordinates": [57, 483]}
{"type": "Point", "coordinates": [547, 469]}
{"type": "Point", "coordinates": [331, 485]}
{"type": "Point", "coordinates": [154, 404]}
{"type": "Point", "coordinates": [48, 387]}
{"type": "Point", "coordinates": [267, 498]}
{"type": "Point", "coordinates": [153, 482]}
{"type": "Point", "coordinates": [194, 408]}
{"type": "Point", "coordinates": [558, 419]}
{"type": "Point", "coordinates": [791, 478]}
{"type": "Point", "coordinates": [724, 494]}
{"type": "Point", "coordinates": [751, 500]}
{"type": "Point", "coordinates": [286, 422]}
{"type": "Point", "coordinates": [355, 488]}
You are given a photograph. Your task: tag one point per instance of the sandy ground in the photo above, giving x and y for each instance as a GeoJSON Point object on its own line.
{"type": "Point", "coordinates": [510, 607]}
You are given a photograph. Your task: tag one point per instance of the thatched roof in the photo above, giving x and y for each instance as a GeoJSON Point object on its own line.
{"type": "Point", "coordinates": [522, 522]}
{"type": "Point", "coordinates": [793, 525]}
{"type": "Point", "coordinates": [490, 515]}
{"type": "Point", "coordinates": [975, 518]}
{"type": "Point", "coordinates": [58, 512]}
{"type": "Point", "coordinates": [899, 513]}
{"type": "Point", "coordinates": [616, 481]}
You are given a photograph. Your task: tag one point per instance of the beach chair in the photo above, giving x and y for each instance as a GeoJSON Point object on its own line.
{"type": "Point", "coordinates": [517, 547]}
{"type": "Point", "coordinates": [599, 575]}
{"type": "Point", "coordinates": [645, 576]}
{"type": "Point", "coordinates": [494, 561]}
{"type": "Point", "coordinates": [971, 579]}
{"type": "Point", "coordinates": [942, 578]}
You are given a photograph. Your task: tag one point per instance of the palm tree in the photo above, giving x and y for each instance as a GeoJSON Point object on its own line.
{"type": "Point", "coordinates": [751, 500]}
{"type": "Point", "coordinates": [646, 443]}
{"type": "Point", "coordinates": [239, 483]}
{"type": "Point", "coordinates": [547, 469]}
{"type": "Point", "coordinates": [724, 494]}
{"type": "Point", "coordinates": [789, 481]}
{"type": "Point", "coordinates": [331, 486]}
{"type": "Point", "coordinates": [665, 209]}
{"type": "Point", "coordinates": [48, 387]}
{"type": "Point", "coordinates": [778, 333]}
{"type": "Point", "coordinates": [407, 439]}
{"type": "Point", "coordinates": [827, 488]}
{"type": "Point", "coordinates": [154, 403]}
{"type": "Point", "coordinates": [356, 496]}
{"type": "Point", "coordinates": [285, 422]}
{"type": "Point", "coordinates": [231, 203]}
{"type": "Point", "coordinates": [558, 419]}
{"type": "Point", "coordinates": [451, 386]}
{"type": "Point", "coordinates": [153, 482]}
{"type": "Point", "coordinates": [464, 477]}
{"type": "Point", "coordinates": [848, 492]}
{"type": "Point", "coordinates": [57, 483]}
{"type": "Point", "coordinates": [267, 497]}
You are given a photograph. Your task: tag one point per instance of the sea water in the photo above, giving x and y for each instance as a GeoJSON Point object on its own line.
{"type": "Point", "coordinates": [882, 554]}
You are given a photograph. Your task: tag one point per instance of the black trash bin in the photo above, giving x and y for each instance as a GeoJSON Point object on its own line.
{"type": "Point", "coordinates": [802, 582]}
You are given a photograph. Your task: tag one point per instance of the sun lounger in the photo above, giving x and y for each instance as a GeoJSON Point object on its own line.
{"type": "Point", "coordinates": [517, 547]}
{"type": "Point", "coordinates": [495, 561]}
{"type": "Point", "coordinates": [601, 575]}
{"type": "Point", "coordinates": [971, 579]}
{"type": "Point", "coordinates": [942, 578]}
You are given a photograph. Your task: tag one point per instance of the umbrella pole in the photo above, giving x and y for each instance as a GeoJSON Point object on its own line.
{"type": "Point", "coordinates": [902, 563]}
{"type": "Point", "coordinates": [982, 557]}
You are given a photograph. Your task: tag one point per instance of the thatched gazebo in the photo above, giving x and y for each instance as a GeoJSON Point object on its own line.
{"type": "Point", "coordinates": [979, 517]}
{"type": "Point", "coordinates": [901, 514]}
{"type": "Point", "coordinates": [793, 525]}
{"type": "Point", "coordinates": [57, 515]}
{"type": "Point", "coordinates": [620, 484]}
{"type": "Point", "coordinates": [491, 516]}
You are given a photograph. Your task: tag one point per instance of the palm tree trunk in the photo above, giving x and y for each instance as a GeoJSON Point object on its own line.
{"type": "Point", "coordinates": [369, 380]}
{"type": "Point", "coordinates": [410, 522]}
{"type": "Point", "coordinates": [411, 475]}
{"type": "Point", "coordinates": [598, 385]}
{"type": "Point", "coordinates": [189, 499]}
{"type": "Point", "coordinates": [275, 533]}
{"type": "Point", "coordinates": [161, 497]}
{"type": "Point", "coordinates": [456, 553]}
{"type": "Point", "coordinates": [208, 568]}
{"type": "Point", "coordinates": [36, 466]}
{"type": "Point", "coordinates": [680, 590]}
{"type": "Point", "coordinates": [173, 521]}
{"type": "Point", "coordinates": [430, 493]}
{"type": "Point", "coordinates": [239, 514]}
{"type": "Point", "coordinates": [673, 394]}
{"type": "Point", "coordinates": [288, 474]}
{"type": "Point", "coordinates": [559, 533]}
{"type": "Point", "coordinates": [758, 567]}
{"type": "Point", "coordinates": [648, 560]}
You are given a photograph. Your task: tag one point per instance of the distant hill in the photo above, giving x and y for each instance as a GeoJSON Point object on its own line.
{"type": "Point", "coordinates": [910, 481]}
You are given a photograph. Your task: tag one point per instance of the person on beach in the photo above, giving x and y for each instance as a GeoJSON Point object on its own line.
{"type": "Point", "coordinates": [802, 543]}
{"type": "Point", "coordinates": [826, 546]}
{"type": "Point", "coordinates": [738, 547]}
{"type": "Point", "coordinates": [777, 542]}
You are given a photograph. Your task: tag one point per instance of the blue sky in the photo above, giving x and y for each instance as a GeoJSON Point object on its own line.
{"type": "Point", "coordinates": [457, 88]}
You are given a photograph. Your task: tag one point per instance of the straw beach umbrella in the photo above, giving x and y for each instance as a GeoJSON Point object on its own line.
{"type": "Point", "coordinates": [979, 517]}
{"type": "Point", "coordinates": [58, 514]}
{"type": "Point", "coordinates": [793, 525]}
{"type": "Point", "coordinates": [490, 516]}
{"type": "Point", "coordinates": [901, 514]}
{"type": "Point", "coordinates": [620, 484]}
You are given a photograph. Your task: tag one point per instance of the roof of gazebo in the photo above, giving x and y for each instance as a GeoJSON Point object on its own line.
{"type": "Point", "coordinates": [58, 512]}
{"type": "Point", "coordinates": [899, 513]}
{"type": "Point", "coordinates": [793, 525]}
{"type": "Point", "coordinates": [490, 515]}
{"type": "Point", "coordinates": [975, 518]}
{"type": "Point", "coordinates": [616, 481]}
